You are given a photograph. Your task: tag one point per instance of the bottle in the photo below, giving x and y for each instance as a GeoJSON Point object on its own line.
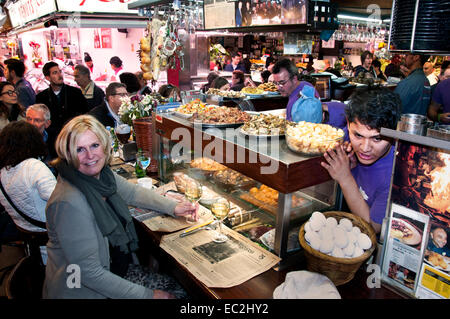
{"type": "Point", "coordinates": [140, 172]}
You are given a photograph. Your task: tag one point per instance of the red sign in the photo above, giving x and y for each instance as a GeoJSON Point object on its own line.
{"type": "Point", "coordinates": [106, 38]}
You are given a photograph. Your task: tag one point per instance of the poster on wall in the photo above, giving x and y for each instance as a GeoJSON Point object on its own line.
{"type": "Point", "coordinates": [106, 38]}
{"type": "Point", "coordinates": [260, 12]}
{"type": "Point", "coordinates": [421, 187]}
{"type": "Point", "coordinates": [97, 42]}
{"type": "Point", "coordinates": [219, 14]}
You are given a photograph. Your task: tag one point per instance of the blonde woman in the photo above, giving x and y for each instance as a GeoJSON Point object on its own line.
{"type": "Point", "coordinates": [88, 221]}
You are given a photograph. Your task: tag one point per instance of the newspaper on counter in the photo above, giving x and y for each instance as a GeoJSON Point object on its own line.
{"type": "Point", "coordinates": [219, 265]}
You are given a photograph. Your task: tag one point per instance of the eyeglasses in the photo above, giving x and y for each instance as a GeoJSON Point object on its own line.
{"type": "Point", "coordinates": [121, 94]}
{"type": "Point", "coordinates": [282, 83]}
{"type": "Point", "coordinates": [10, 93]}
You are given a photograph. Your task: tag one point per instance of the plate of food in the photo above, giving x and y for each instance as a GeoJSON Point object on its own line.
{"type": "Point", "coordinates": [221, 117]}
{"type": "Point", "coordinates": [264, 125]}
{"type": "Point", "coordinates": [253, 92]}
{"type": "Point", "coordinates": [405, 232]}
{"type": "Point", "coordinates": [194, 106]}
{"type": "Point", "coordinates": [438, 261]}
{"type": "Point", "coordinates": [229, 178]}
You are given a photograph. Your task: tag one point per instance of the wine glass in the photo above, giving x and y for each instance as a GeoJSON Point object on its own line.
{"type": "Point", "coordinates": [142, 162]}
{"type": "Point", "coordinates": [220, 209]}
{"type": "Point", "coordinates": [193, 192]}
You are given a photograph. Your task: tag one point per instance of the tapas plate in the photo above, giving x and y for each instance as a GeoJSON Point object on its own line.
{"type": "Point", "coordinates": [405, 232]}
{"type": "Point", "coordinates": [246, 134]}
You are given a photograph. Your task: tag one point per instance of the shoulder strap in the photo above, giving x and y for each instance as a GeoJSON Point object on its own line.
{"type": "Point", "coordinates": [24, 216]}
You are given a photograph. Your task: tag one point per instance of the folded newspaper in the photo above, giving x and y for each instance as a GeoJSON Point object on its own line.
{"type": "Point", "coordinates": [219, 265]}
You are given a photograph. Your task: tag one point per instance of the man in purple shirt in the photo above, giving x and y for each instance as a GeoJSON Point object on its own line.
{"type": "Point", "coordinates": [285, 77]}
{"type": "Point", "coordinates": [440, 99]}
{"type": "Point", "coordinates": [363, 168]}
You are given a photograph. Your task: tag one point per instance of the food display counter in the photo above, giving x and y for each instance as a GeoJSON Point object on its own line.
{"type": "Point", "coordinates": [278, 187]}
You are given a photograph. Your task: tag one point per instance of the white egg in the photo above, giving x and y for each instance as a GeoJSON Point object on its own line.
{"type": "Point", "coordinates": [326, 246]}
{"type": "Point", "coordinates": [331, 222]}
{"type": "Point", "coordinates": [337, 252]}
{"type": "Point", "coordinates": [340, 237]}
{"type": "Point", "coordinates": [315, 242]}
{"type": "Point", "coordinates": [326, 232]}
{"type": "Point", "coordinates": [358, 252]}
{"type": "Point", "coordinates": [352, 238]}
{"type": "Point", "coordinates": [316, 224]}
{"type": "Point", "coordinates": [319, 216]}
{"type": "Point", "coordinates": [364, 241]}
{"type": "Point", "coordinates": [356, 230]}
{"type": "Point", "coordinates": [346, 223]}
{"type": "Point", "coordinates": [308, 227]}
{"type": "Point", "coordinates": [349, 250]}
{"type": "Point", "coordinates": [310, 235]}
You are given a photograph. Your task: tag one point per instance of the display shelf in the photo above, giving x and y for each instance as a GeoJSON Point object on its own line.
{"type": "Point", "coordinates": [418, 139]}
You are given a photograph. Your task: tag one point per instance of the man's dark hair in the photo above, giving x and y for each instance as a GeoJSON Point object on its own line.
{"type": "Point", "coordinates": [286, 64]}
{"type": "Point", "coordinates": [376, 63]}
{"type": "Point", "coordinates": [265, 75]}
{"type": "Point", "coordinates": [87, 57]}
{"type": "Point", "coordinates": [47, 67]}
{"type": "Point", "coordinates": [219, 82]}
{"type": "Point", "coordinates": [116, 61]}
{"type": "Point", "coordinates": [423, 58]}
{"type": "Point", "coordinates": [15, 65]}
{"type": "Point", "coordinates": [364, 56]}
{"type": "Point", "coordinates": [240, 75]}
{"type": "Point", "coordinates": [83, 70]}
{"type": "Point", "coordinates": [20, 140]}
{"type": "Point", "coordinates": [112, 88]}
{"type": "Point", "coordinates": [374, 107]}
{"type": "Point", "coordinates": [131, 81]}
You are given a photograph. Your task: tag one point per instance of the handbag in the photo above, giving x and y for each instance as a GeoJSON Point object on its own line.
{"type": "Point", "coordinates": [24, 216]}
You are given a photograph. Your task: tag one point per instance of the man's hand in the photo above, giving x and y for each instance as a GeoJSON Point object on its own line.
{"type": "Point", "coordinates": [338, 163]}
{"type": "Point", "coordinates": [350, 154]}
{"type": "Point", "coordinates": [444, 118]}
{"type": "Point", "coordinates": [186, 208]}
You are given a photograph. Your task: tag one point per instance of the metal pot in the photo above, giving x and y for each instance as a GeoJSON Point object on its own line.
{"type": "Point", "coordinates": [413, 124]}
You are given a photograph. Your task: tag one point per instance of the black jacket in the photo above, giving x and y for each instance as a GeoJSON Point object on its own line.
{"type": "Point", "coordinates": [98, 98]}
{"type": "Point", "coordinates": [70, 103]}
{"type": "Point", "coordinates": [102, 114]}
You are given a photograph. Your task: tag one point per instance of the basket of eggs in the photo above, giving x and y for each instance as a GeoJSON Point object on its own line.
{"type": "Point", "coordinates": [336, 244]}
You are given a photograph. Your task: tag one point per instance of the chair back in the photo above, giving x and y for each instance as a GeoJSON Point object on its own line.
{"type": "Point", "coordinates": [33, 241]}
{"type": "Point", "coordinates": [26, 280]}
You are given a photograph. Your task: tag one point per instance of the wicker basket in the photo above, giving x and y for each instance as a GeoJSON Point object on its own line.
{"type": "Point", "coordinates": [338, 270]}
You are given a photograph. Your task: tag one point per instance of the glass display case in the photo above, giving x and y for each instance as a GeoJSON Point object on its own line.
{"type": "Point", "coordinates": [274, 188]}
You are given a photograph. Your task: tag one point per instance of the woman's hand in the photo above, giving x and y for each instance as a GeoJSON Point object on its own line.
{"type": "Point", "coordinates": [338, 163]}
{"type": "Point", "coordinates": [186, 208]}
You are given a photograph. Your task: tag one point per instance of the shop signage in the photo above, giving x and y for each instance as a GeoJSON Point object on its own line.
{"type": "Point", "coordinates": [103, 6]}
{"type": "Point", "coordinates": [23, 11]}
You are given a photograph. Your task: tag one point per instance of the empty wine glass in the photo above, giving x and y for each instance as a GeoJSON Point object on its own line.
{"type": "Point", "coordinates": [220, 209]}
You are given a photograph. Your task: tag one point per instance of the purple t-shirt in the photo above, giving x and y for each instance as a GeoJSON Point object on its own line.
{"type": "Point", "coordinates": [374, 182]}
{"type": "Point", "coordinates": [295, 96]}
{"type": "Point", "coordinates": [336, 112]}
{"type": "Point", "coordinates": [441, 94]}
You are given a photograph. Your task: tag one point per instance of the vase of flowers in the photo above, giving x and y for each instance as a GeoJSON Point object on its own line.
{"type": "Point", "coordinates": [136, 111]}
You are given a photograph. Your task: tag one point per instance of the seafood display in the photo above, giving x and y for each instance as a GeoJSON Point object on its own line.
{"type": "Point", "coordinates": [222, 115]}
{"type": "Point", "coordinates": [264, 124]}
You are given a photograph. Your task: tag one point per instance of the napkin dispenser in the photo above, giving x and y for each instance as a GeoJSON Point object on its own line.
{"type": "Point", "coordinates": [127, 152]}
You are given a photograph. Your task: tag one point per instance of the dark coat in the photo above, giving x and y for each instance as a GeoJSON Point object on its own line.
{"type": "Point", "coordinates": [101, 113]}
{"type": "Point", "coordinates": [70, 103]}
{"type": "Point", "coordinates": [98, 98]}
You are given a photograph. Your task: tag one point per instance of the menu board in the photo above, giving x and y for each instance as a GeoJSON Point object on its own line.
{"type": "Point", "coordinates": [417, 249]}
{"type": "Point", "coordinates": [248, 13]}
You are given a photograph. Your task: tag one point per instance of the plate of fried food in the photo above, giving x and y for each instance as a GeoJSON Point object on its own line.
{"type": "Point", "coordinates": [264, 125]}
{"type": "Point", "coordinates": [270, 88]}
{"type": "Point", "coordinates": [221, 117]}
{"type": "Point", "coordinates": [253, 92]}
{"type": "Point", "coordinates": [194, 106]}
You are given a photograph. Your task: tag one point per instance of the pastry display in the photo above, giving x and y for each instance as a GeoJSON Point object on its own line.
{"type": "Point", "coordinates": [206, 164]}
{"type": "Point", "coordinates": [269, 86]}
{"type": "Point", "coordinates": [222, 115]}
{"type": "Point", "coordinates": [265, 124]}
{"type": "Point", "coordinates": [313, 138]}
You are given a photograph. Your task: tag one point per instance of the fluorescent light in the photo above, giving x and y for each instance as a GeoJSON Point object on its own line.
{"type": "Point", "coordinates": [343, 16]}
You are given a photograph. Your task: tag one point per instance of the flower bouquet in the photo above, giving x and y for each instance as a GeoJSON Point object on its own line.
{"type": "Point", "coordinates": [36, 56]}
{"type": "Point", "coordinates": [136, 107]}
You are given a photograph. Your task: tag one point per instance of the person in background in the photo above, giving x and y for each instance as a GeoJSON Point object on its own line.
{"type": "Point", "coordinates": [265, 76]}
{"type": "Point", "coordinates": [415, 89]}
{"type": "Point", "coordinates": [239, 14]}
{"type": "Point", "coordinates": [363, 168]}
{"type": "Point", "coordinates": [89, 223]}
{"type": "Point", "coordinates": [439, 109]}
{"type": "Point", "coordinates": [428, 69]}
{"type": "Point", "coordinates": [366, 65]}
{"type": "Point", "coordinates": [95, 73]}
{"type": "Point", "coordinates": [93, 94]}
{"type": "Point", "coordinates": [285, 76]}
{"type": "Point", "coordinates": [235, 63]}
{"type": "Point", "coordinates": [376, 64]}
{"type": "Point", "coordinates": [8, 98]}
{"type": "Point", "coordinates": [221, 83]}
{"type": "Point", "coordinates": [393, 69]}
{"type": "Point", "coordinates": [14, 73]}
{"type": "Point", "coordinates": [237, 80]}
{"type": "Point", "coordinates": [107, 113]}
{"type": "Point", "coordinates": [131, 81]}
{"type": "Point", "coordinates": [445, 71]}
{"type": "Point", "coordinates": [170, 92]}
{"type": "Point", "coordinates": [39, 116]}
{"type": "Point", "coordinates": [63, 101]}
{"type": "Point", "coordinates": [143, 88]}
{"type": "Point", "coordinates": [117, 67]}
{"type": "Point", "coordinates": [27, 181]}
{"type": "Point", "coordinates": [210, 78]}
{"type": "Point", "coordinates": [247, 64]}
{"type": "Point", "coordinates": [438, 242]}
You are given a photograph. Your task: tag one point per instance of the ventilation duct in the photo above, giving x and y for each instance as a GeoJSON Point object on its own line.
{"type": "Point", "coordinates": [420, 26]}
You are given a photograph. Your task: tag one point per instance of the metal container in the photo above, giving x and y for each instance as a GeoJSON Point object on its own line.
{"type": "Point", "coordinates": [413, 124]}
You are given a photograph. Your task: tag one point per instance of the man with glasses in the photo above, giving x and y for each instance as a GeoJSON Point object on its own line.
{"type": "Point", "coordinates": [108, 112]}
{"type": "Point", "coordinates": [64, 101]}
{"type": "Point", "coordinates": [14, 72]}
{"type": "Point", "coordinates": [39, 116]}
{"type": "Point", "coordinates": [285, 77]}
